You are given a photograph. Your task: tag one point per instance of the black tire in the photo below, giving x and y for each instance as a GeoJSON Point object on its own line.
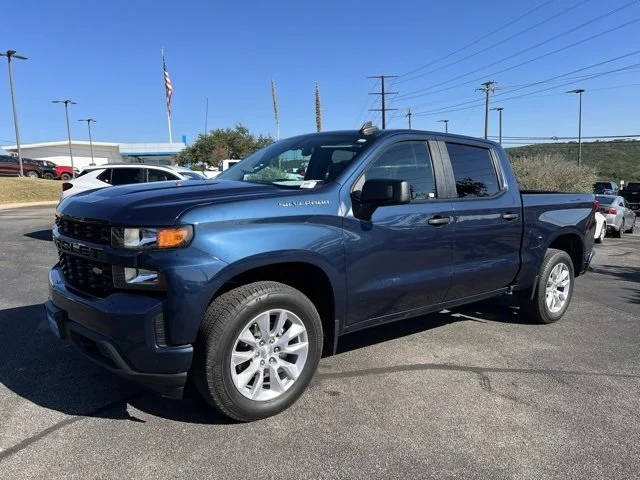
{"type": "Point", "coordinates": [65, 177]}
{"type": "Point", "coordinates": [32, 174]}
{"type": "Point", "coordinates": [632, 228]}
{"type": "Point", "coordinates": [48, 176]}
{"type": "Point", "coordinates": [223, 321]}
{"type": "Point", "coordinates": [618, 233]}
{"type": "Point", "coordinates": [535, 309]}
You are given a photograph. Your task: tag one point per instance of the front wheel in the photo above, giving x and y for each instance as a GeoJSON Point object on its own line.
{"type": "Point", "coordinates": [65, 177]}
{"type": "Point", "coordinates": [553, 290]}
{"type": "Point", "coordinates": [258, 348]}
{"type": "Point", "coordinates": [620, 232]}
{"type": "Point", "coordinates": [632, 227]}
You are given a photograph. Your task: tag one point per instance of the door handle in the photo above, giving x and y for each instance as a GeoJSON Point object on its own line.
{"type": "Point", "coordinates": [509, 216]}
{"type": "Point", "coordinates": [438, 220]}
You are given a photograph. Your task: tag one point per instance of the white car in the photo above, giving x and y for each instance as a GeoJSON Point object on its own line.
{"type": "Point", "coordinates": [123, 174]}
{"type": "Point", "coordinates": [601, 227]}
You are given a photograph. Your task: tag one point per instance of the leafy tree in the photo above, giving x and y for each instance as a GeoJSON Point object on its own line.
{"type": "Point", "coordinates": [222, 144]}
{"type": "Point", "coordinates": [544, 171]}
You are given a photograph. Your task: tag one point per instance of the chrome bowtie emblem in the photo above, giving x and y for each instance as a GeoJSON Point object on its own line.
{"type": "Point", "coordinates": [97, 270]}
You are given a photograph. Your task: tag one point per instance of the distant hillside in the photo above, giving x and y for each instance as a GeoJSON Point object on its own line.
{"type": "Point", "coordinates": [616, 160]}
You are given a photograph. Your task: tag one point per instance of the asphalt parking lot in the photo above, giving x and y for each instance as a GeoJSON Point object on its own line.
{"type": "Point", "coordinates": [474, 393]}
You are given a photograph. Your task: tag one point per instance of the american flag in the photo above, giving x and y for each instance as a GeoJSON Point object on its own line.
{"type": "Point", "coordinates": [168, 87]}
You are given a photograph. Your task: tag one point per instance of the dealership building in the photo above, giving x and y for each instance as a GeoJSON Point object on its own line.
{"type": "Point", "coordinates": [103, 152]}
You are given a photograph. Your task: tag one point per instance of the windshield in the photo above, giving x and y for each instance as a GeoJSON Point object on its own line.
{"type": "Point", "coordinates": [300, 162]}
{"type": "Point", "coordinates": [600, 187]}
{"type": "Point", "coordinates": [191, 175]}
{"type": "Point", "coordinates": [605, 199]}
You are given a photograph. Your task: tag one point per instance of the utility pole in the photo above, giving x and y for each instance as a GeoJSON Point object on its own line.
{"type": "Point", "coordinates": [579, 91]}
{"type": "Point", "coordinates": [383, 96]}
{"type": "Point", "coordinates": [12, 54]}
{"type": "Point", "coordinates": [487, 88]}
{"type": "Point", "coordinates": [408, 115]}
{"type": "Point", "coordinates": [89, 120]}
{"type": "Point", "coordinates": [446, 125]}
{"type": "Point", "coordinates": [499, 110]}
{"type": "Point", "coordinates": [68, 102]}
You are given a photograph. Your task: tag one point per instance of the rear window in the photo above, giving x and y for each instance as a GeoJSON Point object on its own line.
{"type": "Point", "coordinates": [633, 187]}
{"type": "Point", "coordinates": [473, 170]}
{"type": "Point", "coordinates": [604, 200]}
{"type": "Point", "coordinates": [160, 175]}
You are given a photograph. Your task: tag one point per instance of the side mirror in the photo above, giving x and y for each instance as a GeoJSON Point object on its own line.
{"type": "Point", "coordinates": [380, 192]}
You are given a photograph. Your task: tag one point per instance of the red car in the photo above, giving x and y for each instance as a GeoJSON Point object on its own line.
{"type": "Point", "coordinates": [51, 170]}
{"type": "Point", "coordinates": [64, 173]}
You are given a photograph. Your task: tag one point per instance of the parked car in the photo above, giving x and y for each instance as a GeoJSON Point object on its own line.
{"type": "Point", "coordinates": [631, 193]}
{"type": "Point", "coordinates": [115, 174]}
{"type": "Point", "coordinates": [605, 188]}
{"type": "Point", "coordinates": [65, 173]}
{"type": "Point", "coordinates": [240, 283]}
{"type": "Point", "coordinates": [48, 168]}
{"type": "Point", "coordinates": [619, 216]}
{"type": "Point", "coordinates": [601, 228]}
{"type": "Point", "coordinates": [11, 166]}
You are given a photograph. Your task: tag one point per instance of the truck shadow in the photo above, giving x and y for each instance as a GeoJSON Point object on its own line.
{"type": "Point", "coordinates": [52, 374]}
{"type": "Point", "coordinates": [44, 235]}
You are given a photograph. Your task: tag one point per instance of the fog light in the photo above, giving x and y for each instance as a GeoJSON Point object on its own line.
{"type": "Point", "coordinates": [140, 276]}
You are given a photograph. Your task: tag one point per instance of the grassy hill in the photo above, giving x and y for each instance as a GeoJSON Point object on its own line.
{"type": "Point", "coordinates": [19, 190]}
{"type": "Point", "coordinates": [615, 160]}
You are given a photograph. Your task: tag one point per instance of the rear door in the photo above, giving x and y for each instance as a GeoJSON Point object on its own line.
{"type": "Point", "coordinates": [126, 176]}
{"type": "Point", "coordinates": [487, 220]}
{"type": "Point", "coordinates": [399, 261]}
{"type": "Point", "coordinates": [9, 165]}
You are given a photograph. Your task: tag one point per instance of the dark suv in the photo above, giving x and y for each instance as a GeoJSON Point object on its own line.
{"type": "Point", "coordinates": [10, 166]}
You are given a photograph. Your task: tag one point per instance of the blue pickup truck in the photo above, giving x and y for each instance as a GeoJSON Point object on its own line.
{"type": "Point", "coordinates": [239, 284]}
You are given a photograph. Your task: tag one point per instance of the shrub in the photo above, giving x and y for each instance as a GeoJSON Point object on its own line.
{"type": "Point", "coordinates": [552, 172]}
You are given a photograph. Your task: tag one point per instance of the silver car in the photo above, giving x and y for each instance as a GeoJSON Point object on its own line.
{"type": "Point", "coordinates": [620, 218]}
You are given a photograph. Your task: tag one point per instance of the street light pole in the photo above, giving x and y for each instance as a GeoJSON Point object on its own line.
{"type": "Point", "coordinates": [446, 125]}
{"type": "Point", "coordinates": [12, 54]}
{"type": "Point", "coordinates": [66, 113]}
{"type": "Point", "coordinates": [89, 120]}
{"type": "Point", "coordinates": [499, 110]}
{"type": "Point", "coordinates": [579, 91]}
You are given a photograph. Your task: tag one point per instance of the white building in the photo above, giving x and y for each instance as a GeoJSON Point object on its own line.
{"type": "Point", "coordinates": [103, 152]}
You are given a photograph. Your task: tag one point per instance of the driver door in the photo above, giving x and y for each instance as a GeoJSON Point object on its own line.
{"type": "Point", "coordinates": [399, 262]}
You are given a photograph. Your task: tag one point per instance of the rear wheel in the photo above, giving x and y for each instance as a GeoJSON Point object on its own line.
{"type": "Point", "coordinates": [32, 174]}
{"type": "Point", "coordinates": [48, 176]}
{"type": "Point", "coordinates": [553, 291]}
{"type": "Point", "coordinates": [65, 176]}
{"type": "Point", "coordinates": [618, 233]}
{"type": "Point", "coordinates": [258, 349]}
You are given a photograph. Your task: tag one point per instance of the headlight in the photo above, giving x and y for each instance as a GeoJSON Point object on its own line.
{"type": "Point", "coordinates": [145, 238]}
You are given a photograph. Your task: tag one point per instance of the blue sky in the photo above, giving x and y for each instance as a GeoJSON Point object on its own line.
{"type": "Point", "coordinates": [106, 57]}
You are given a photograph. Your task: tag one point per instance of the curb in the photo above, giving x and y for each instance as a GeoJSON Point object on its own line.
{"type": "Point", "coordinates": [7, 206]}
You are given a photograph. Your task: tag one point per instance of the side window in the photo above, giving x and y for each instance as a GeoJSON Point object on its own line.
{"type": "Point", "coordinates": [159, 176]}
{"type": "Point", "coordinates": [408, 161]}
{"type": "Point", "coordinates": [473, 170]}
{"type": "Point", "coordinates": [125, 176]}
{"type": "Point", "coordinates": [105, 176]}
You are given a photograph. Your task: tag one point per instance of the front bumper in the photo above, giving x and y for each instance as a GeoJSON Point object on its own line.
{"type": "Point", "coordinates": [122, 332]}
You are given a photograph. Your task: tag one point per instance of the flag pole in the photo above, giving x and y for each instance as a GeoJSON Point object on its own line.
{"type": "Point", "coordinates": [168, 93]}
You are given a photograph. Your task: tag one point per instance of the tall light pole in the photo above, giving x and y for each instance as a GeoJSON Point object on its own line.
{"type": "Point", "coordinates": [13, 54]}
{"type": "Point", "coordinates": [446, 125]}
{"type": "Point", "coordinates": [89, 120]}
{"type": "Point", "coordinates": [409, 114]}
{"type": "Point", "coordinates": [579, 92]}
{"type": "Point", "coordinates": [68, 102]}
{"type": "Point", "coordinates": [499, 110]}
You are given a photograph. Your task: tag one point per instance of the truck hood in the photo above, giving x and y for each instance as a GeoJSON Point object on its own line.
{"type": "Point", "coordinates": [159, 203]}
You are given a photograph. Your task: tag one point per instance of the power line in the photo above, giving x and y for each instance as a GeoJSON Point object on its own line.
{"type": "Point", "coordinates": [417, 93]}
{"type": "Point", "coordinates": [474, 42]}
{"type": "Point", "coordinates": [475, 102]}
{"type": "Point", "coordinates": [383, 96]}
{"type": "Point", "coordinates": [511, 37]}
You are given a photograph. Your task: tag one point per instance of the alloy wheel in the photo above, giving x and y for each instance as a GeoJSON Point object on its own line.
{"type": "Point", "coordinates": [557, 290]}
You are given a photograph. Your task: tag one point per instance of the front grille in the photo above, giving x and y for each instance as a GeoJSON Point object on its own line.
{"type": "Point", "coordinates": [87, 276]}
{"type": "Point", "coordinates": [88, 230]}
